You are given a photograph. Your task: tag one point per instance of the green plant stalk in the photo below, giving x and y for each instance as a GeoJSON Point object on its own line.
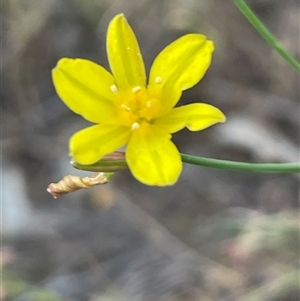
{"type": "Point", "coordinates": [120, 164]}
{"type": "Point", "coordinates": [266, 34]}
{"type": "Point", "coordinates": [242, 166]}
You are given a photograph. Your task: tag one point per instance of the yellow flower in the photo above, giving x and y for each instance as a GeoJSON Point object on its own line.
{"type": "Point", "coordinates": [128, 110]}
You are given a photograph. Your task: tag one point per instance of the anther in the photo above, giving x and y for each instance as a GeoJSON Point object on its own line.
{"type": "Point", "coordinates": [136, 89]}
{"type": "Point", "coordinates": [114, 88]}
{"type": "Point", "coordinates": [158, 79]}
{"type": "Point", "coordinates": [123, 106]}
{"type": "Point", "coordinates": [148, 104]}
{"type": "Point", "coordinates": [135, 126]}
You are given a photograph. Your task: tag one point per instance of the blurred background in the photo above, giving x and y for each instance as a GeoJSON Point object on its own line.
{"type": "Point", "coordinates": [215, 235]}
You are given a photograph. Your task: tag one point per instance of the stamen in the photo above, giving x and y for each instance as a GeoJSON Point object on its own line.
{"type": "Point", "coordinates": [158, 80]}
{"type": "Point", "coordinates": [135, 126]}
{"type": "Point", "coordinates": [123, 106]}
{"type": "Point", "coordinates": [114, 88]}
{"type": "Point", "coordinates": [148, 104]}
{"type": "Point", "coordinates": [136, 89]}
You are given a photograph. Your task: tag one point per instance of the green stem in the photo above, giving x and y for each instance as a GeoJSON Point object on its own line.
{"type": "Point", "coordinates": [111, 165]}
{"type": "Point", "coordinates": [266, 34]}
{"type": "Point", "coordinates": [242, 166]}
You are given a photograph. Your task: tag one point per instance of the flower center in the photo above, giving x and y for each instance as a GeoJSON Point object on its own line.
{"type": "Point", "coordinates": [136, 106]}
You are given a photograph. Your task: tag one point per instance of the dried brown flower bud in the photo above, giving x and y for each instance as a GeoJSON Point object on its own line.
{"type": "Point", "coordinates": [71, 183]}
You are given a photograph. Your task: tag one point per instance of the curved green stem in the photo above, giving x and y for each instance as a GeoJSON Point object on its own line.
{"type": "Point", "coordinates": [111, 164]}
{"type": "Point", "coordinates": [242, 166]}
{"type": "Point", "coordinates": [266, 34]}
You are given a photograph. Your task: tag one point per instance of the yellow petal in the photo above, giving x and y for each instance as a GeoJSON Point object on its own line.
{"type": "Point", "coordinates": [84, 87]}
{"type": "Point", "coordinates": [180, 66]}
{"type": "Point", "coordinates": [124, 55]}
{"type": "Point", "coordinates": [183, 62]}
{"type": "Point", "coordinates": [152, 158]}
{"type": "Point", "coordinates": [195, 117]}
{"type": "Point", "coordinates": [91, 144]}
